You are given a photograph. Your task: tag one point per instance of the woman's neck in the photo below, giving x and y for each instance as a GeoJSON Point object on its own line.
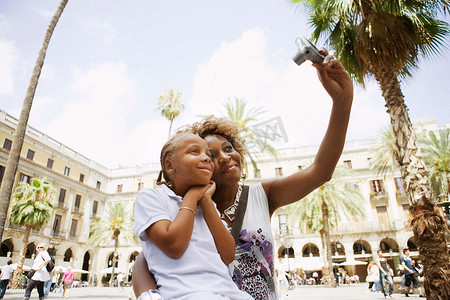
{"type": "Point", "coordinates": [224, 196]}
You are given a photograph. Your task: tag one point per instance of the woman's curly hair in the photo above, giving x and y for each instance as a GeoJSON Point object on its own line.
{"type": "Point", "coordinates": [211, 125]}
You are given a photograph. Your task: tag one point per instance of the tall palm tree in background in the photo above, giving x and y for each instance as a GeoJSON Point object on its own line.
{"type": "Point", "coordinates": [385, 39]}
{"type": "Point", "coordinates": [256, 143]}
{"type": "Point", "coordinates": [383, 159]}
{"type": "Point", "coordinates": [32, 207]}
{"type": "Point", "coordinates": [170, 105]}
{"type": "Point", "coordinates": [19, 133]}
{"type": "Point", "coordinates": [322, 208]}
{"type": "Point", "coordinates": [436, 153]}
{"type": "Point", "coordinates": [115, 225]}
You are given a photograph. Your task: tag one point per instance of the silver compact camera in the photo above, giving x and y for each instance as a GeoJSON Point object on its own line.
{"type": "Point", "coordinates": [306, 51]}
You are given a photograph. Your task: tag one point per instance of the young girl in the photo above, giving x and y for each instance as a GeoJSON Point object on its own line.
{"type": "Point", "coordinates": [186, 247]}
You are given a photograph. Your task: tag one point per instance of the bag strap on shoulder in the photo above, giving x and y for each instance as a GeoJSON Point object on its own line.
{"type": "Point", "coordinates": [239, 218]}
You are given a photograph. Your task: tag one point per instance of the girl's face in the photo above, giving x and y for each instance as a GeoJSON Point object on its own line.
{"type": "Point", "coordinates": [191, 163]}
{"type": "Point", "coordinates": [227, 161]}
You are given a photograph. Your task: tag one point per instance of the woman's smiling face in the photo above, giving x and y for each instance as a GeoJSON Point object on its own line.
{"type": "Point", "coordinates": [226, 160]}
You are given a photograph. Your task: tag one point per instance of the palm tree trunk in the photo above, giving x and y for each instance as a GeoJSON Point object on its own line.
{"type": "Point", "coordinates": [19, 134]}
{"type": "Point", "coordinates": [116, 241]}
{"type": "Point", "coordinates": [427, 223]}
{"type": "Point", "coordinates": [326, 230]}
{"type": "Point", "coordinates": [170, 127]}
{"type": "Point", "coordinates": [18, 272]}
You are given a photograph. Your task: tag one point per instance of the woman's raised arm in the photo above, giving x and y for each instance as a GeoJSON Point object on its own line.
{"type": "Point", "coordinates": [339, 86]}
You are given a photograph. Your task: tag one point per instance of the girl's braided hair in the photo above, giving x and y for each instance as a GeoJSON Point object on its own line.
{"type": "Point", "coordinates": [209, 125]}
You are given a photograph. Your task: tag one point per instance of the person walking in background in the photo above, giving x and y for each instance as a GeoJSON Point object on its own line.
{"type": "Point", "coordinates": [120, 280]}
{"type": "Point", "coordinates": [410, 273]}
{"type": "Point", "coordinates": [385, 274]}
{"type": "Point", "coordinates": [5, 277]}
{"type": "Point", "coordinates": [373, 276]}
{"type": "Point", "coordinates": [67, 281]}
{"type": "Point", "coordinates": [41, 274]}
{"type": "Point", "coordinates": [47, 286]}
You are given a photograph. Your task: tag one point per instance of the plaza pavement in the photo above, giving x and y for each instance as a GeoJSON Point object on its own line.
{"type": "Point", "coordinates": [353, 292]}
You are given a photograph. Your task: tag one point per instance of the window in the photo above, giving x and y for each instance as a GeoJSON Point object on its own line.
{"type": "Point", "coordinates": [66, 171]}
{"type": "Point", "coordinates": [383, 218]}
{"type": "Point", "coordinates": [94, 207]}
{"type": "Point", "coordinates": [99, 184]}
{"type": "Point", "coordinates": [7, 144]}
{"type": "Point", "coordinates": [351, 186]}
{"type": "Point", "coordinates": [119, 188]}
{"type": "Point", "coordinates": [50, 163]}
{"type": "Point", "coordinates": [73, 227]}
{"type": "Point", "coordinates": [24, 178]}
{"type": "Point", "coordinates": [140, 185]}
{"type": "Point", "coordinates": [377, 186]}
{"type": "Point", "coordinates": [2, 173]}
{"type": "Point", "coordinates": [81, 177]}
{"type": "Point", "coordinates": [77, 201]}
{"type": "Point", "coordinates": [57, 224]}
{"type": "Point", "coordinates": [62, 195]}
{"type": "Point", "coordinates": [348, 163]}
{"type": "Point", "coordinates": [399, 184]}
{"type": "Point", "coordinates": [279, 171]}
{"type": "Point", "coordinates": [257, 173]}
{"type": "Point", "coordinates": [30, 154]}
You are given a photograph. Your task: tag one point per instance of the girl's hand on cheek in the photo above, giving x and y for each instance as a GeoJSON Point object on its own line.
{"type": "Point", "coordinates": [196, 192]}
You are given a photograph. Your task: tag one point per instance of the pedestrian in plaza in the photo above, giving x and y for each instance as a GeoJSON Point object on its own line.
{"type": "Point", "coordinates": [59, 283]}
{"type": "Point", "coordinates": [67, 281]}
{"type": "Point", "coordinates": [411, 276]}
{"type": "Point", "coordinates": [41, 274]}
{"type": "Point", "coordinates": [373, 277]}
{"type": "Point", "coordinates": [47, 286]}
{"type": "Point", "coordinates": [253, 267]}
{"type": "Point", "coordinates": [120, 280]}
{"type": "Point", "coordinates": [385, 275]}
{"type": "Point", "coordinates": [6, 273]}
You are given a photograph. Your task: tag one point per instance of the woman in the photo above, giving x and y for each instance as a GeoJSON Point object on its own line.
{"type": "Point", "coordinates": [67, 282]}
{"type": "Point", "coordinates": [253, 267]}
{"type": "Point", "coordinates": [41, 275]}
{"type": "Point", "coordinates": [373, 276]}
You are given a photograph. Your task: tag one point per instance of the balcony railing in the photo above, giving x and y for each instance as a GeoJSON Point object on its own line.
{"type": "Point", "coordinates": [77, 210]}
{"type": "Point", "coordinates": [61, 205]}
{"type": "Point", "coordinates": [74, 237]}
{"type": "Point", "coordinates": [57, 233]}
{"type": "Point", "coordinates": [368, 227]}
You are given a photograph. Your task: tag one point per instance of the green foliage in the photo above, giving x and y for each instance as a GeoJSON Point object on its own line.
{"type": "Point", "coordinates": [436, 154]}
{"type": "Point", "coordinates": [115, 223]}
{"type": "Point", "coordinates": [33, 203]}
{"type": "Point", "coordinates": [371, 37]}
{"type": "Point", "coordinates": [339, 198]}
{"type": "Point", "coordinates": [256, 144]}
{"type": "Point", "coordinates": [384, 154]}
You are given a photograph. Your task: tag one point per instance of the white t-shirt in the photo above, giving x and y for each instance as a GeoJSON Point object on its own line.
{"type": "Point", "coordinates": [253, 267]}
{"type": "Point", "coordinates": [199, 273]}
{"type": "Point", "coordinates": [41, 275]}
{"type": "Point", "coordinates": [6, 272]}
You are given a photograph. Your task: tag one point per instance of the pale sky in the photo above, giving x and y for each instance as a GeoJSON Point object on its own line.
{"type": "Point", "coordinates": [108, 62]}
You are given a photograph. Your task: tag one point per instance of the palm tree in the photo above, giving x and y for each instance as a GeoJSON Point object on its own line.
{"type": "Point", "coordinates": [321, 209]}
{"type": "Point", "coordinates": [19, 134]}
{"type": "Point", "coordinates": [383, 158]}
{"type": "Point", "coordinates": [32, 208]}
{"type": "Point", "coordinates": [114, 224]}
{"type": "Point", "coordinates": [170, 105]}
{"type": "Point", "coordinates": [384, 40]}
{"type": "Point", "coordinates": [256, 142]}
{"type": "Point", "coordinates": [436, 153]}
